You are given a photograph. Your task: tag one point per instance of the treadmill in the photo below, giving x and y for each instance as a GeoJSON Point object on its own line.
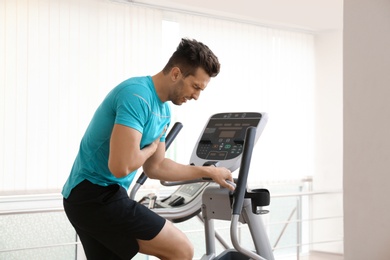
{"type": "Point", "coordinates": [226, 140]}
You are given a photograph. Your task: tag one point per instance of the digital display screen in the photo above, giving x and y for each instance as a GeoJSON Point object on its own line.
{"type": "Point", "coordinates": [209, 130]}
{"type": "Point", "coordinates": [227, 134]}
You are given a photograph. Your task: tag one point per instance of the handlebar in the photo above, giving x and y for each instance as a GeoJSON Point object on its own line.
{"type": "Point", "coordinates": [239, 192]}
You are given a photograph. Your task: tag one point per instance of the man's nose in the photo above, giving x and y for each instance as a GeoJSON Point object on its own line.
{"type": "Point", "coordinates": [196, 95]}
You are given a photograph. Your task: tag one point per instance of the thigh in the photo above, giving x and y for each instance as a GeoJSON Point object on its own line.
{"type": "Point", "coordinates": [170, 243]}
{"type": "Point", "coordinates": [93, 249]}
{"type": "Point", "coordinates": [109, 216]}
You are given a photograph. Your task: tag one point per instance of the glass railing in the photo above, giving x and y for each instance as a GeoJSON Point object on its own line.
{"type": "Point", "coordinates": [36, 227]}
{"type": "Point", "coordinates": [301, 221]}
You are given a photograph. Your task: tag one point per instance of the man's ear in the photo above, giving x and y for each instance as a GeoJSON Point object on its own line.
{"type": "Point", "coordinates": [175, 73]}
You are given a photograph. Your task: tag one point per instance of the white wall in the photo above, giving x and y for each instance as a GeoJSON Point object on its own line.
{"type": "Point", "coordinates": [366, 129]}
{"type": "Point", "coordinates": [329, 104]}
{"type": "Point", "coordinates": [329, 142]}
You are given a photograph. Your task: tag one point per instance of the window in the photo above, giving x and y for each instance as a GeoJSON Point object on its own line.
{"type": "Point", "coordinates": [58, 66]}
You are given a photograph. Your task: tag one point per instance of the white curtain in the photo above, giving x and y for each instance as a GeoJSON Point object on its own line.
{"type": "Point", "coordinates": [60, 58]}
{"type": "Point", "coordinates": [263, 70]}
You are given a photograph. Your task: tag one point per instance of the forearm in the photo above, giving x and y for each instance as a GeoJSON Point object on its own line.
{"type": "Point", "coordinates": [168, 170]}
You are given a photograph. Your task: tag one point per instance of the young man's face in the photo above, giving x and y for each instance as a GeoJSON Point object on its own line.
{"type": "Point", "coordinates": [190, 87]}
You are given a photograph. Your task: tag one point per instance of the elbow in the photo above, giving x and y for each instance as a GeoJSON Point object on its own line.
{"type": "Point", "coordinates": [118, 170]}
{"type": "Point", "coordinates": [119, 173]}
{"type": "Point", "coordinates": [152, 173]}
{"type": "Point", "coordinates": [151, 176]}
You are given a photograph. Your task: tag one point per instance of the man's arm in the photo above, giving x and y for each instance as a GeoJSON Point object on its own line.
{"type": "Point", "coordinates": [125, 153]}
{"type": "Point", "coordinates": [126, 156]}
{"type": "Point", "coordinates": [161, 168]}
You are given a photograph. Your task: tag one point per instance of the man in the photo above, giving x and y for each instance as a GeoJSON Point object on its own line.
{"type": "Point", "coordinates": [126, 132]}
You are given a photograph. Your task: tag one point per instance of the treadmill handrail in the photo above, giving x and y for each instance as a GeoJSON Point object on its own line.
{"type": "Point", "coordinates": [177, 183]}
{"type": "Point", "coordinates": [239, 192]}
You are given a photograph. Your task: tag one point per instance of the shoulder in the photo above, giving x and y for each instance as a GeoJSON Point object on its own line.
{"type": "Point", "coordinates": [136, 87]}
{"type": "Point", "coordinates": [135, 84]}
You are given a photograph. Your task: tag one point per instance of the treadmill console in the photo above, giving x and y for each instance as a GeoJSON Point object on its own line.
{"type": "Point", "coordinates": [223, 138]}
{"type": "Point", "coordinates": [220, 143]}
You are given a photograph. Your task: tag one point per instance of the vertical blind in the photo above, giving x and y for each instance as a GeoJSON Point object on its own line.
{"type": "Point", "coordinates": [60, 58]}
{"type": "Point", "coordinates": [263, 70]}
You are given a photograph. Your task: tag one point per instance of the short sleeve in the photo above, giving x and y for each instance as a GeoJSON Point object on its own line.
{"type": "Point", "coordinates": [131, 109]}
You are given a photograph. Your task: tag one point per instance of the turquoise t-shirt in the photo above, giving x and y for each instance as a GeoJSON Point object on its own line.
{"type": "Point", "coordinates": [133, 103]}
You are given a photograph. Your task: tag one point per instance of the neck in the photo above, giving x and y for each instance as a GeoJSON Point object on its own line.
{"type": "Point", "coordinates": [160, 84]}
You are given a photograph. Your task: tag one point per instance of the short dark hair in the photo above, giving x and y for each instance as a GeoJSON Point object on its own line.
{"type": "Point", "coordinates": [190, 55]}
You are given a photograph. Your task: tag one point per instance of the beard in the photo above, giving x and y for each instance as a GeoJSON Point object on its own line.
{"type": "Point", "coordinates": [177, 96]}
{"type": "Point", "coordinates": [179, 101]}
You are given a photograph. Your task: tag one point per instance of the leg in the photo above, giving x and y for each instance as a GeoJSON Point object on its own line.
{"type": "Point", "coordinates": [170, 243]}
{"type": "Point", "coordinates": [106, 216]}
{"type": "Point", "coordinates": [94, 249]}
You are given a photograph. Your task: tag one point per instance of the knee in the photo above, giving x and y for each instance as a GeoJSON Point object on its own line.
{"type": "Point", "coordinates": [183, 251]}
{"type": "Point", "coordinates": [190, 251]}
{"type": "Point", "coordinates": [186, 250]}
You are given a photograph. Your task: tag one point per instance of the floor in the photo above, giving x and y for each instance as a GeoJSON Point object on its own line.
{"type": "Point", "coordinates": [318, 256]}
{"type": "Point", "coordinates": [322, 256]}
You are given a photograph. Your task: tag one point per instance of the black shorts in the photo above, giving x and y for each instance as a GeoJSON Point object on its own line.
{"type": "Point", "coordinates": [108, 222]}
